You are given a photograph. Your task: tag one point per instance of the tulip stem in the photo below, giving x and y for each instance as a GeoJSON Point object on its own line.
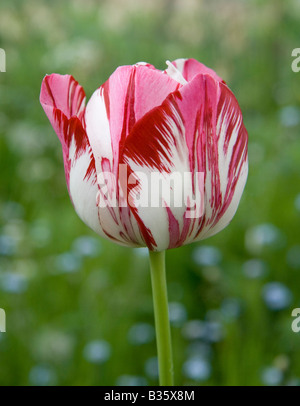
{"type": "Point", "coordinates": [161, 315]}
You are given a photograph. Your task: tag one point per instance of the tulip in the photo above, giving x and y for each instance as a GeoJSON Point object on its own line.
{"type": "Point", "coordinates": [183, 121]}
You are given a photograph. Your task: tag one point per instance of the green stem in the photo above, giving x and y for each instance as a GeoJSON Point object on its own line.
{"type": "Point", "coordinates": [161, 315]}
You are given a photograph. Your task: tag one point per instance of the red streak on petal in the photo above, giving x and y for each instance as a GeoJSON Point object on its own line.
{"type": "Point", "coordinates": [105, 87]}
{"type": "Point", "coordinates": [91, 170]}
{"type": "Point", "coordinates": [149, 141]}
{"type": "Point", "coordinates": [46, 82]}
{"type": "Point", "coordinates": [174, 232]}
{"type": "Point", "coordinates": [145, 231]}
{"type": "Point", "coordinates": [105, 165]}
{"type": "Point", "coordinates": [129, 113]}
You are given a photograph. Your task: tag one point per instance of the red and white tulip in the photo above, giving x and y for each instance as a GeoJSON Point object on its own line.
{"type": "Point", "coordinates": [183, 120]}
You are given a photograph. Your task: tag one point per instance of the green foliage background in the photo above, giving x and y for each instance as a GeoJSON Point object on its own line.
{"type": "Point", "coordinates": [57, 300]}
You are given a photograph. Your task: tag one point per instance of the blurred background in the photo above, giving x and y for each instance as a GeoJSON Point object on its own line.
{"type": "Point", "coordinates": [79, 308]}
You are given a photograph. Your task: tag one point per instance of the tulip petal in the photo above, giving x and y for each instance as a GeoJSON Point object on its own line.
{"type": "Point", "coordinates": [63, 93]}
{"type": "Point", "coordinates": [62, 100]}
{"type": "Point", "coordinates": [111, 113]}
{"type": "Point", "coordinates": [198, 129]}
{"type": "Point", "coordinates": [129, 93]}
{"type": "Point", "coordinates": [189, 68]}
{"type": "Point", "coordinates": [157, 156]}
{"type": "Point", "coordinates": [64, 103]}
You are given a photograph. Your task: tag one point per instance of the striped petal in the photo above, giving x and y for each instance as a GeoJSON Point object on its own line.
{"type": "Point", "coordinates": [129, 93]}
{"type": "Point", "coordinates": [64, 103]}
{"type": "Point", "coordinates": [197, 130]}
{"type": "Point", "coordinates": [189, 68]}
{"type": "Point", "coordinates": [62, 99]}
{"type": "Point", "coordinates": [111, 113]}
